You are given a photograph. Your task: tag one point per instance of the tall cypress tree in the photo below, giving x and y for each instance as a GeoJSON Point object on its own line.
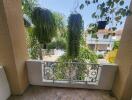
{"type": "Point", "coordinates": [75, 27]}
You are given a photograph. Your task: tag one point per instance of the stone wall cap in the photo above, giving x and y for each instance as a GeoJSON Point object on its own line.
{"type": "Point", "coordinates": [108, 64]}
{"type": "Point", "coordinates": [31, 60]}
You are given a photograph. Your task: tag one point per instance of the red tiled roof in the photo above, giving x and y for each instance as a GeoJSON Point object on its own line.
{"type": "Point", "coordinates": [106, 31]}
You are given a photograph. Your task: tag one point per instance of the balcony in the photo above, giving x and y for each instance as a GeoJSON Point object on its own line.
{"type": "Point", "coordinates": [100, 41]}
{"type": "Point", "coordinates": [13, 51]}
{"type": "Point", "coordinates": [91, 76]}
{"type": "Point", "coordinates": [68, 81]}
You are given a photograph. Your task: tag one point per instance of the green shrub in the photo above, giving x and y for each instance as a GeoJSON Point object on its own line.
{"type": "Point", "coordinates": [62, 69]}
{"type": "Point", "coordinates": [100, 56]}
{"type": "Point", "coordinates": [116, 45]}
{"type": "Point", "coordinates": [88, 55]}
{"type": "Point", "coordinates": [85, 56]}
{"type": "Point", "coordinates": [57, 44]}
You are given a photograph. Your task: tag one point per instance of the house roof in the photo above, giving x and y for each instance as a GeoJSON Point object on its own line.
{"type": "Point", "coordinates": [106, 31]}
{"type": "Point", "coordinates": [119, 32]}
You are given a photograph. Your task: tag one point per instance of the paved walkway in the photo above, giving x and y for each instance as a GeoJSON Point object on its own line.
{"type": "Point", "coordinates": [50, 93]}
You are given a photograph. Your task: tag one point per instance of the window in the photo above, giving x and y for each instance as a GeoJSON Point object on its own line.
{"type": "Point", "coordinates": [94, 36]}
{"type": "Point", "coordinates": [106, 36]}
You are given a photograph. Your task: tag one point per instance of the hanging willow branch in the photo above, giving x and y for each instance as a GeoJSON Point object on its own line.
{"type": "Point", "coordinates": [45, 26]}
{"type": "Point", "coordinates": [75, 26]}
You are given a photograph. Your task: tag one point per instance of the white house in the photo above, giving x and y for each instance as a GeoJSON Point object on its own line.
{"type": "Point", "coordinates": [103, 40]}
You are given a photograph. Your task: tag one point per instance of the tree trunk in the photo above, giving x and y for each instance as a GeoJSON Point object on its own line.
{"type": "Point", "coordinates": [40, 52]}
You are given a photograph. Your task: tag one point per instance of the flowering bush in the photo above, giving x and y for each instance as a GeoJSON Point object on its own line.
{"type": "Point", "coordinates": [111, 56]}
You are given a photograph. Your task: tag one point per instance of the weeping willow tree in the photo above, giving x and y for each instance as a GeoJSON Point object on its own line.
{"type": "Point", "coordinates": [28, 6]}
{"type": "Point", "coordinates": [44, 26]}
{"type": "Point", "coordinates": [75, 27]}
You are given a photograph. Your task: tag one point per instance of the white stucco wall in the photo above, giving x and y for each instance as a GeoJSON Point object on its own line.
{"type": "Point", "coordinates": [4, 86]}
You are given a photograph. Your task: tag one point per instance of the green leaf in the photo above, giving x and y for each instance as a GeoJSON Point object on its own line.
{"type": "Point", "coordinates": [118, 18]}
{"type": "Point", "coordinates": [116, 1]}
{"type": "Point", "coordinates": [114, 28]}
{"type": "Point", "coordinates": [87, 2]}
{"type": "Point", "coordinates": [94, 15]}
{"type": "Point", "coordinates": [122, 2]}
{"type": "Point", "coordinates": [81, 6]}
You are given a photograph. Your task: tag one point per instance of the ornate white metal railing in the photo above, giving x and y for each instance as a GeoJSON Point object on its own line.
{"type": "Point", "coordinates": [71, 72]}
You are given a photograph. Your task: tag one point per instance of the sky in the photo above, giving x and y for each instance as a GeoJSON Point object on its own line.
{"type": "Point", "coordinates": [66, 7]}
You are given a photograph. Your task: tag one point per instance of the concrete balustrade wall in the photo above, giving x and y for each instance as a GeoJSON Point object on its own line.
{"type": "Point", "coordinates": [106, 79]}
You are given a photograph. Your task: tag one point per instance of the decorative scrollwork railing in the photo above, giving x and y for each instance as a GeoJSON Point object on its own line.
{"type": "Point", "coordinates": [71, 72]}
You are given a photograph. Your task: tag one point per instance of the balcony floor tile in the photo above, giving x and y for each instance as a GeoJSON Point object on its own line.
{"type": "Point", "coordinates": [51, 93]}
